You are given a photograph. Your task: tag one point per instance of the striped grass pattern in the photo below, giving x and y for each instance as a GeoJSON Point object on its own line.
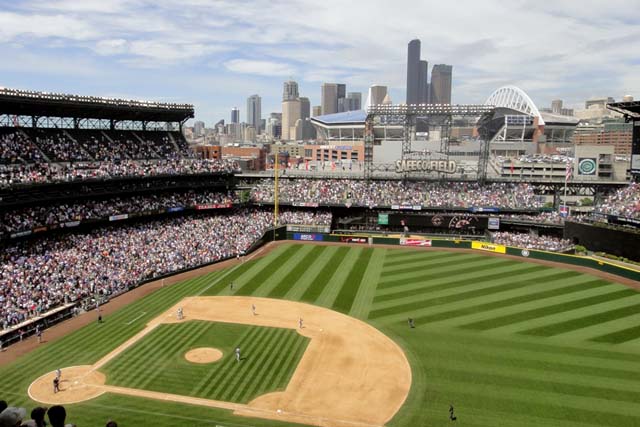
{"type": "Point", "coordinates": [507, 343]}
{"type": "Point", "coordinates": [157, 361]}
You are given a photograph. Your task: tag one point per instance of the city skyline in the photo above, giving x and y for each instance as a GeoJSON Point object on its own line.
{"type": "Point", "coordinates": [179, 51]}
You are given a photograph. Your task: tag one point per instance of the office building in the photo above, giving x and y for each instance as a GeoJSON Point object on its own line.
{"type": "Point", "coordinates": [235, 115]}
{"type": "Point", "coordinates": [599, 102]}
{"type": "Point", "coordinates": [305, 108]}
{"type": "Point", "coordinates": [612, 133]}
{"type": "Point", "coordinates": [290, 91]}
{"type": "Point", "coordinates": [254, 113]}
{"type": "Point", "coordinates": [556, 106]}
{"type": "Point", "coordinates": [291, 111]}
{"type": "Point", "coordinates": [440, 86]}
{"type": "Point", "coordinates": [329, 98]}
{"type": "Point", "coordinates": [377, 93]}
{"type": "Point", "coordinates": [198, 129]}
{"type": "Point", "coordinates": [354, 101]}
{"type": "Point", "coordinates": [417, 75]}
{"type": "Point", "coordinates": [317, 110]}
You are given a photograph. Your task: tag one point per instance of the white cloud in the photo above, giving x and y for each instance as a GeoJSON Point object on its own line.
{"type": "Point", "coordinates": [261, 68]}
{"type": "Point", "coordinates": [14, 26]}
{"type": "Point", "coordinates": [548, 48]}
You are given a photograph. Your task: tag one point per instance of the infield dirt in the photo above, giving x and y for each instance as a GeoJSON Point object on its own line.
{"type": "Point", "coordinates": [349, 367]}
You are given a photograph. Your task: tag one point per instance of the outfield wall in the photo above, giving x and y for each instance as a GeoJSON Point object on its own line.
{"type": "Point", "coordinates": [604, 239]}
{"type": "Point", "coordinates": [361, 239]}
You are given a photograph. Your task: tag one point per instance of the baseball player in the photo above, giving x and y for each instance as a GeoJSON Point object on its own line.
{"type": "Point", "coordinates": [452, 417]}
{"type": "Point", "coordinates": [180, 313]}
{"type": "Point", "coordinates": [56, 385]}
{"type": "Point", "coordinates": [253, 309]}
{"type": "Point", "coordinates": [411, 323]}
{"type": "Point", "coordinates": [58, 373]}
{"type": "Point", "coordinates": [300, 323]}
{"type": "Point", "coordinates": [238, 354]}
{"type": "Point", "coordinates": [231, 286]}
{"type": "Point", "coordinates": [39, 335]}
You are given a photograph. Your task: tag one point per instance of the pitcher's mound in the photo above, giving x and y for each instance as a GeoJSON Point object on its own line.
{"type": "Point", "coordinates": [203, 355]}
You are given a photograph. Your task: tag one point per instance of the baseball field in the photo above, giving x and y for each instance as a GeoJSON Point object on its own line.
{"type": "Point", "coordinates": [504, 342]}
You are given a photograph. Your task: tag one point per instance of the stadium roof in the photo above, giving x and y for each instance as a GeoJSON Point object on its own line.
{"type": "Point", "coordinates": [43, 104]}
{"type": "Point", "coordinates": [557, 119]}
{"type": "Point", "coordinates": [347, 118]}
{"type": "Point", "coordinates": [629, 109]}
{"type": "Point", "coordinates": [514, 98]}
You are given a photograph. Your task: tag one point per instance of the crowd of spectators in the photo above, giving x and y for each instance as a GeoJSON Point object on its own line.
{"type": "Point", "coordinates": [15, 147]}
{"type": "Point", "coordinates": [624, 202]}
{"type": "Point", "coordinates": [551, 217]}
{"type": "Point", "coordinates": [388, 193]}
{"type": "Point", "coordinates": [531, 241]}
{"type": "Point", "coordinates": [315, 217]}
{"type": "Point", "coordinates": [31, 217]}
{"type": "Point", "coordinates": [29, 145]}
{"type": "Point", "coordinates": [11, 416]}
{"type": "Point", "coordinates": [11, 175]}
{"type": "Point", "coordinates": [40, 274]}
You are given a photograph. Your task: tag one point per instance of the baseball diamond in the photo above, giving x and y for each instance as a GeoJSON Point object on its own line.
{"type": "Point", "coordinates": [507, 342]}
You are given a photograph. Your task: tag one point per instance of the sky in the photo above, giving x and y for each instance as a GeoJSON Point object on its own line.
{"type": "Point", "coordinates": [216, 53]}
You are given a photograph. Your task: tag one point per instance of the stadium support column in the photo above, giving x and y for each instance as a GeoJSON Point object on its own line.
{"type": "Point", "coordinates": [483, 160]}
{"type": "Point", "coordinates": [369, 138]}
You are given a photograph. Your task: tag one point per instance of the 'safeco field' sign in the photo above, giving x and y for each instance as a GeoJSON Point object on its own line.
{"type": "Point", "coordinates": [489, 247]}
{"type": "Point", "coordinates": [444, 166]}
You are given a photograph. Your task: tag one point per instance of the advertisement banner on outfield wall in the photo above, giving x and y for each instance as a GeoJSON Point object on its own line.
{"type": "Point", "coordinates": [349, 239]}
{"type": "Point", "coordinates": [415, 242]}
{"type": "Point", "coordinates": [118, 217]}
{"type": "Point", "coordinates": [307, 237]}
{"type": "Point", "coordinates": [489, 247]}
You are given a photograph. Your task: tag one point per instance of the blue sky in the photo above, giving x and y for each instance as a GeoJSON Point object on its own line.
{"type": "Point", "coordinates": [216, 53]}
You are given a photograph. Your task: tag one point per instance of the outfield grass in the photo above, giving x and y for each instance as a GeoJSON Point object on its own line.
{"type": "Point", "coordinates": [507, 343]}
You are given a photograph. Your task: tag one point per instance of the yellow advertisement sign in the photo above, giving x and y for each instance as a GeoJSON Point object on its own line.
{"type": "Point", "coordinates": [489, 247]}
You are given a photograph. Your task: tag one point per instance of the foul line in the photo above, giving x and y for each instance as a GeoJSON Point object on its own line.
{"type": "Point", "coordinates": [134, 319]}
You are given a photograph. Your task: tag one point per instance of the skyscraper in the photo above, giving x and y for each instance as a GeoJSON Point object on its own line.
{"type": "Point", "coordinates": [305, 108]}
{"type": "Point", "coordinates": [424, 82]}
{"type": "Point", "coordinates": [354, 101]}
{"type": "Point", "coordinates": [341, 103]}
{"type": "Point", "coordinates": [440, 86]}
{"type": "Point", "coordinates": [556, 106]}
{"type": "Point", "coordinates": [317, 110]}
{"type": "Point", "coordinates": [290, 115]}
{"type": "Point", "coordinates": [254, 113]}
{"type": "Point", "coordinates": [235, 115]}
{"type": "Point", "coordinates": [417, 71]}
{"type": "Point", "coordinates": [290, 91]}
{"type": "Point", "coordinates": [329, 98]}
{"type": "Point", "coordinates": [377, 94]}
{"type": "Point", "coordinates": [198, 128]}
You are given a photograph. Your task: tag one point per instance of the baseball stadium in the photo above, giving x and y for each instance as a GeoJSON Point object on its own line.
{"type": "Point", "coordinates": [143, 282]}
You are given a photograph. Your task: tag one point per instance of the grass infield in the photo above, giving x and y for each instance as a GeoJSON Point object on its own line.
{"type": "Point", "coordinates": [506, 342]}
